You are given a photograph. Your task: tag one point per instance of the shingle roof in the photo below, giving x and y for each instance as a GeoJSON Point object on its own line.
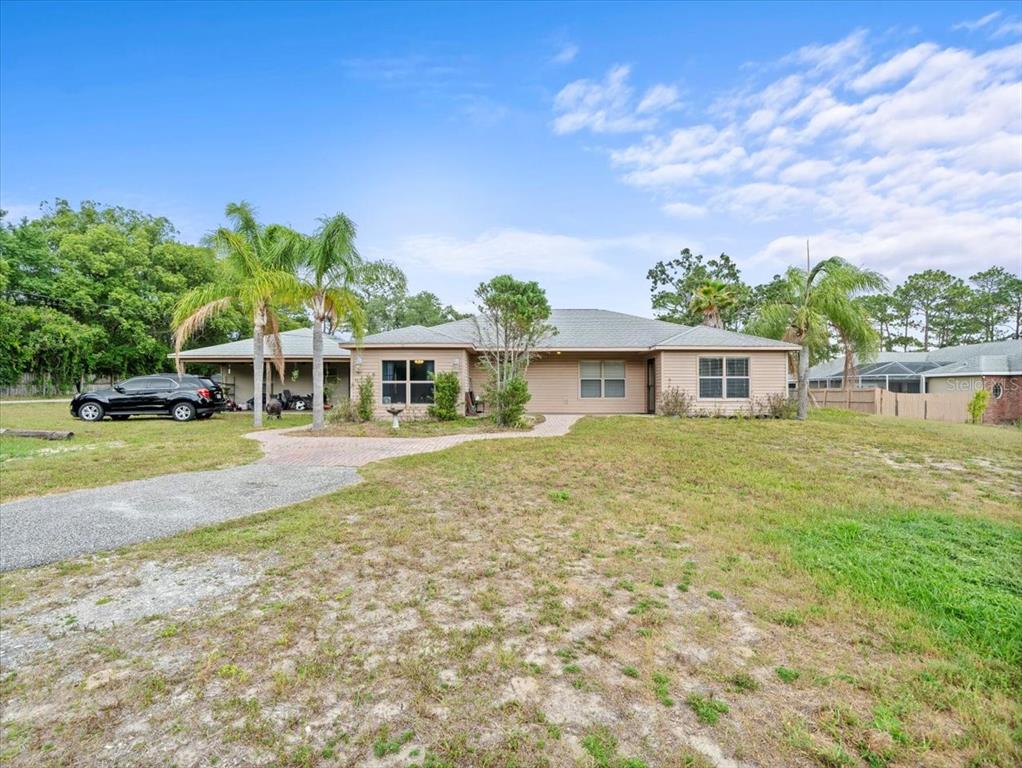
{"type": "Point", "coordinates": [295, 344]}
{"type": "Point", "coordinates": [585, 329]}
{"type": "Point", "coordinates": [961, 360]}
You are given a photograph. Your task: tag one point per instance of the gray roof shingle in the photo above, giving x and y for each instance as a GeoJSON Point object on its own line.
{"type": "Point", "coordinates": [961, 360]}
{"type": "Point", "coordinates": [585, 329]}
{"type": "Point", "coordinates": [295, 344]}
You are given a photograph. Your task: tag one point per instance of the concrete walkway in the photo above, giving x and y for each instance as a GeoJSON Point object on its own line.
{"type": "Point", "coordinates": [289, 446]}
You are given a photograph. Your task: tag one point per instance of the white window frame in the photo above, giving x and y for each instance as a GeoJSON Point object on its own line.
{"type": "Point", "coordinates": [408, 381]}
{"type": "Point", "coordinates": [723, 376]}
{"type": "Point", "coordinates": [603, 379]}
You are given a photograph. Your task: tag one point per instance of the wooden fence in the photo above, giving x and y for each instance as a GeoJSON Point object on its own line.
{"type": "Point", "coordinates": [942, 406]}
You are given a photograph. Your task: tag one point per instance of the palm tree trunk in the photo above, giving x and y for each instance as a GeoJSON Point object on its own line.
{"type": "Point", "coordinates": [803, 382]}
{"type": "Point", "coordinates": [317, 373]}
{"type": "Point", "coordinates": [257, 369]}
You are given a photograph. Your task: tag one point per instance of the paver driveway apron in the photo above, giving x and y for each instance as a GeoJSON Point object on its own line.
{"type": "Point", "coordinates": [288, 446]}
{"type": "Point", "coordinates": [295, 468]}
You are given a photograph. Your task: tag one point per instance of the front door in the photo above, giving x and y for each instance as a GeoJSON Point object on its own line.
{"type": "Point", "coordinates": [651, 385]}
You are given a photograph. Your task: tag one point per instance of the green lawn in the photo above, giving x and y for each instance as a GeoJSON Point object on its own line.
{"type": "Point", "coordinates": [641, 592]}
{"type": "Point", "coordinates": [109, 451]}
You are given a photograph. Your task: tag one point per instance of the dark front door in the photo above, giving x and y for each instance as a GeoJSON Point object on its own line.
{"type": "Point", "coordinates": [651, 385]}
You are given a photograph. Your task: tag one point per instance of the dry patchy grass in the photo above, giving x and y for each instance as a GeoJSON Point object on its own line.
{"type": "Point", "coordinates": [641, 592]}
{"type": "Point", "coordinates": [113, 451]}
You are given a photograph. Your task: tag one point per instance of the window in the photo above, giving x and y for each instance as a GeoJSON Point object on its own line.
{"type": "Point", "coordinates": [604, 378]}
{"type": "Point", "coordinates": [147, 384]}
{"type": "Point", "coordinates": [737, 377]}
{"type": "Point", "coordinates": [408, 381]}
{"type": "Point", "coordinates": [724, 377]}
{"type": "Point", "coordinates": [998, 390]}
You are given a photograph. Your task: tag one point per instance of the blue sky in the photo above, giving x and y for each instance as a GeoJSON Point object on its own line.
{"type": "Point", "coordinates": [572, 144]}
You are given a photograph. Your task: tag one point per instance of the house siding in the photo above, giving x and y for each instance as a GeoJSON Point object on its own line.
{"type": "Point", "coordinates": [768, 375]}
{"type": "Point", "coordinates": [555, 384]}
{"type": "Point", "coordinates": [369, 362]}
{"type": "Point", "coordinates": [954, 384]}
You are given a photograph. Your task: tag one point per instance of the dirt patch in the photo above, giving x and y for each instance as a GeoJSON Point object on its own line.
{"type": "Point", "coordinates": [117, 598]}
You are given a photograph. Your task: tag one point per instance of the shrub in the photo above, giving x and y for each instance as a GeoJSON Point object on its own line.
{"type": "Point", "coordinates": [446, 388]}
{"type": "Point", "coordinates": [366, 404]}
{"type": "Point", "coordinates": [675, 401]}
{"type": "Point", "coordinates": [342, 412]}
{"type": "Point", "coordinates": [778, 406]}
{"type": "Point", "coordinates": [978, 405]}
{"type": "Point", "coordinates": [509, 404]}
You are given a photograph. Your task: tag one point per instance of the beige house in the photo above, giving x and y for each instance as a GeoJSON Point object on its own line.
{"type": "Point", "coordinates": [233, 363]}
{"type": "Point", "coordinates": [596, 362]}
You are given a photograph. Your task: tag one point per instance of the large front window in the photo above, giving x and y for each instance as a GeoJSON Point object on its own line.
{"type": "Point", "coordinates": [724, 377]}
{"type": "Point", "coordinates": [408, 381]}
{"type": "Point", "coordinates": [602, 378]}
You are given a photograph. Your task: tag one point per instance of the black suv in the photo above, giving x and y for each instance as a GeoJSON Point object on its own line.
{"type": "Point", "coordinates": [181, 397]}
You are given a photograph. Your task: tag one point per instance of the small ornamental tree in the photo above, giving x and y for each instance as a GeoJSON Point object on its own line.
{"type": "Point", "coordinates": [978, 406]}
{"type": "Point", "coordinates": [512, 320]}
{"type": "Point", "coordinates": [446, 388]}
{"type": "Point", "coordinates": [366, 400]}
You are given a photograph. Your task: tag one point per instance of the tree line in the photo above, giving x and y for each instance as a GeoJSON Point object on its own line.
{"type": "Point", "coordinates": [928, 310]}
{"type": "Point", "coordinates": [91, 292]}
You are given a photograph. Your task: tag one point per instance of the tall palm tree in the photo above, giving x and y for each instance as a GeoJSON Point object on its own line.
{"type": "Point", "coordinates": [711, 298]}
{"type": "Point", "coordinates": [330, 260]}
{"type": "Point", "coordinates": [811, 303]}
{"type": "Point", "coordinates": [258, 277]}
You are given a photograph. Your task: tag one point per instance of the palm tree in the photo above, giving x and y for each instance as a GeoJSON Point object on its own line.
{"type": "Point", "coordinates": [711, 298]}
{"type": "Point", "coordinates": [811, 303]}
{"type": "Point", "coordinates": [258, 277]}
{"type": "Point", "coordinates": [330, 260]}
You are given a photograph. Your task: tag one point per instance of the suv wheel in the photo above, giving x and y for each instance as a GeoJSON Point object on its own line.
{"type": "Point", "coordinates": [90, 412]}
{"type": "Point", "coordinates": [183, 412]}
{"type": "Point", "coordinates": [299, 404]}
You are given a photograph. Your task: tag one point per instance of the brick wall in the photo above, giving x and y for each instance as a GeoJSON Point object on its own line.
{"type": "Point", "coordinates": [1008, 407]}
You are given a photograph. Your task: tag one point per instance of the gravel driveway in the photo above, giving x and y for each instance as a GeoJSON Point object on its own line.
{"type": "Point", "coordinates": [50, 528]}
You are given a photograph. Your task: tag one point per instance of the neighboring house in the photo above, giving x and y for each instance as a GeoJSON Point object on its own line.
{"type": "Point", "coordinates": [597, 362]}
{"type": "Point", "coordinates": [995, 366]}
{"type": "Point", "coordinates": [234, 360]}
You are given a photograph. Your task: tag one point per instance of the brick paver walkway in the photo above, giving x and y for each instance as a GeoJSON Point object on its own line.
{"type": "Point", "coordinates": [287, 446]}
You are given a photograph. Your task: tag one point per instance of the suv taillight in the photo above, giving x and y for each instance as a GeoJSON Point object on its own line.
{"type": "Point", "coordinates": [204, 393]}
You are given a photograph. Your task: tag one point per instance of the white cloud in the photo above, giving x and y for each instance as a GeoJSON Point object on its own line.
{"type": "Point", "coordinates": [504, 250]}
{"type": "Point", "coordinates": [895, 68]}
{"type": "Point", "coordinates": [566, 55]}
{"type": "Point", "coordinates": [845, 54]}
{"type": "Point", "coordinates": [657, 99]}
{"type": "Point", "coordinates": [1007, 29]}
{"type": "Point", "coordinates": [973, 25]}
{"type": "Point", "coordinates": [684, 210]}
{"type": "Point", "coordinates": [609, 106]}
{"type": "Point", "coordinates": [895, 159]}
{"type": "Point", "coordinates": [550, 257]}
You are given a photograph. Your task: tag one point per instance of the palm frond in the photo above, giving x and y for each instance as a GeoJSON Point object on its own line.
{"type": "Point", "coordinates": [342, 305]}
{"type": "Point", "coordinates": [193, 323]}
{"type": "Point", "coordinates": [243, 219]}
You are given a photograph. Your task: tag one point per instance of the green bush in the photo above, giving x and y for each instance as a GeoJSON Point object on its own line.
{"type": "Point", "coordinates": [446, 389]}
{"type": "Point", "coordinates": [366, 405]}
{"type": "Point", "coordinates": [509, 404]}
{"type": "Point", "coordinates": [978, 405]}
